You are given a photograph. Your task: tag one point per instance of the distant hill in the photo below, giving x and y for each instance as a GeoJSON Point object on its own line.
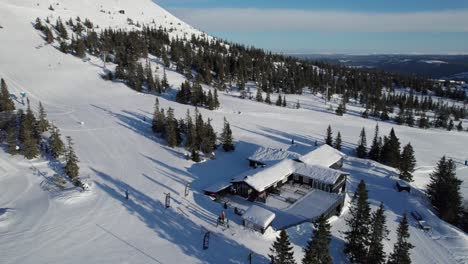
{"type": "Point", "coordinates": [434, 66]}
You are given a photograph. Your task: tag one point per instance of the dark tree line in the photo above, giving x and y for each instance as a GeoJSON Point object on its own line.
{"type": "Point", "coordinates": [195, 133]}
{"type": "Point", "coordinates": [24, 134]}
{"type": "Point", "coordinates": [217, 62]}
{"type": "Point", "coordinates": [387, 150]}
{"type": "Point", "coordinates": [196, 96]}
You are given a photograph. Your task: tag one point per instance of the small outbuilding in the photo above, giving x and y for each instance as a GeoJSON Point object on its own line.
{"type": "Point", "coordinates": [258, 218]}
{"type": "Point", "coordinates": [403, 186]}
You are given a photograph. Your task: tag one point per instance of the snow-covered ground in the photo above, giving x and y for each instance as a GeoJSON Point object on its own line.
{"type": "Point", "coordinates": [118, 152]}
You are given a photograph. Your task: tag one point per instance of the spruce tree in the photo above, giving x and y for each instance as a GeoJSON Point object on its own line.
{"type": "Point", "coordinates": [281, 251]}
{"type": "Point", "coordinates": [42, 124]}
{"type": "Point", "coordinates": [80, 49]}
{"type": "Point", "coordinates": [407, 163]}
{"type": "Point", "coordinates": [376, 148]}
{"type": "Point", "coordinates": [216, 99]}
{"type": "Point", "coordinates": [337, 143]}
{"type": "Point", "coordinates": [460, 126]}
{"type": "Point", "coordinates": [56, 145]}
{"type": "Point", "coordinates": [164, 82]}
{"type": "Point", "coordinates": [268, 98]}
{"type": "Point", "coordinates": [226, 136]}
{"type": "Point", "coordinates": [401, 250]}
{"type": "Point", "coordinates": [357, 235]}
{"type": "Point", "coordinates": [279, 101]}
{"type": "Point", "coordinates": [171, 129]}
{"type": "Point", "coordinates": [329, 137]}
{"type": "Point", "coordinates": [444, 191]}
{"type": "Point", "coordinates": [361, 150]}
{"type": "Point", "coordinates": [259, 96]}
{"type": "Point", "coordinates": [49, 36]}
{"type": "Point", "coordinates": [30, 148]}
{"type": "Point", "coordinates": [71, 165]}
{"type": "Point", "coordinates": [6, 104]}
{"type": "Point", "coordinates": [284, 101]}
{"type": "Point", "coordinates": [391, 150]}
{"type": "Point", "coordinates": [464, 219]}
{"type": "Point", "coordinates": [378, 233]}
{"type": "Point", "coordinates": [317, 249]}
{"type": "Point", "coordinates": [450, 125]}
{"type": "Point", "coordinates": [210, 101]}
{"type": "Point", "coordinates": [195, 156]}
{"type": "Point", "coordinates": [12, 137]}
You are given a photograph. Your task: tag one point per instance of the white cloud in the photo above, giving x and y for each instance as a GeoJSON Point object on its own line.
{"type": "Point", "coordinates": [256, 20]}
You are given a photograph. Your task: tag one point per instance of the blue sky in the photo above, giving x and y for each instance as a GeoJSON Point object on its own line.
{"type": "Point", "coordinates": [333, 26]}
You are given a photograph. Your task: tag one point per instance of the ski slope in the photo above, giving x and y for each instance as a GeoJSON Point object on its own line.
{"type": "Point", "coordinates": [118, 152]}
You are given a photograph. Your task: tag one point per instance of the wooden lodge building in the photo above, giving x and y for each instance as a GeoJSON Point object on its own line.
{"type": "Point", "coordinates": [317, 169]}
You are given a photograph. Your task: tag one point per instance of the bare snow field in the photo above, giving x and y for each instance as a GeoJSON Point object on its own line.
{"type": "Point", "coordinates": [118, 152]}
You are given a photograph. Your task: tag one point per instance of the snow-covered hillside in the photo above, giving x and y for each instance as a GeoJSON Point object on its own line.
{"type": "Point", "coordinates": [118, 152]}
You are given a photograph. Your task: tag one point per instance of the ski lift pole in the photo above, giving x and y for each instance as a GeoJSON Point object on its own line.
{"type": "Point", "coordinates": [168, 200]}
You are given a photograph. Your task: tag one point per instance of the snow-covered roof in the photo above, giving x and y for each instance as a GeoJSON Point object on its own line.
{"type": "Point", "coordinates": [262, 178]}
{"type": "Point", "coordinates": [313, 204]}
{"type": "Point", "coordinates": [219, 186]}
{"type": "Point", "coordinates": [323, 156]}
{"type": "Point", "coordinates": [259, 216]}
{"type": "Point", "coordinates": [320, 173]}
{"type": "Point", "coordinates": [272, 155]}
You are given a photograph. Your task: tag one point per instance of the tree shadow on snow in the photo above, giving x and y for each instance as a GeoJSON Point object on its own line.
{"type": "Point", "coordinates": [172, 226]}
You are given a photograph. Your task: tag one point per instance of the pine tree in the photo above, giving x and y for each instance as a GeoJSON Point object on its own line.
{"type": "Point", "coordinates": [164, 82]}
{"type": "Point", "coordinates": [284, 101]}
{"type": "Point", "coordinates": [12, 137]}
{"type": "Point", "coordinates": [279, 101]}
{"type": "Point", "coordinates": [42, 124]}
{"type": "Point", "coordinates": [361, 150]}
{"type": "Point", "coordinates": [376, 148]}
{"type": "Point", "coordinates": [195, 156]}
{"type": "Point", "coordinates": [6, 104]}
{"type": "Point", "coordinates": [357, 235]}
{"type": "Point", "coordinates": [226, 136]}
{"type": "Point", "coordinates": [337, 144]}
{"type": "Point", "coordinates": [268, 98]}
{"type": "Point", "coordinates": [444, 191]}
{"type": "Point", "coordinates": [80, 50]}
{"type": "Point", "coordinates": [171, 129]}
{"type": "Point", "coordinates": [329, 137]}
{"type": "Point", "coordinates": [423, 122]}
{"type": "Point", "coordinates": [210, 101]}
{"type": "Point", "coordinates": [391, 150]}
{"type": "Point", "coordinates": [317, 249]}
{"type": "Point", "coordinates": [464, 219]}
{"type": "Point", "coordinates": [281, 251]}
{"type": "Point", "coordinates": [401, 250]}
{"type": "Point", "coordinates": [71, 166]}
{"type": "Point", "coordinates": [208, 142]}
{"type": "Point", "coordinates": [49, 36]}
{"type": "Point", "coordinates": [460, 126]}
{"type": "Point", "coordinates": [159, 119]}
{"type": "Point", "coordinates": [407, 163]}
{"type": "Point", "coordinates": [57, 147]}
{"type": "Point", "coordinates": [450, 125]}
{"type": "Point", "coordinates": [341, 109]}
{"type": "Point", "coordinates": [216, 99]}
{"type": "Point", "coordinates": [378, 233]}
{"type": "Point", "coordinates": [259, 96]}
